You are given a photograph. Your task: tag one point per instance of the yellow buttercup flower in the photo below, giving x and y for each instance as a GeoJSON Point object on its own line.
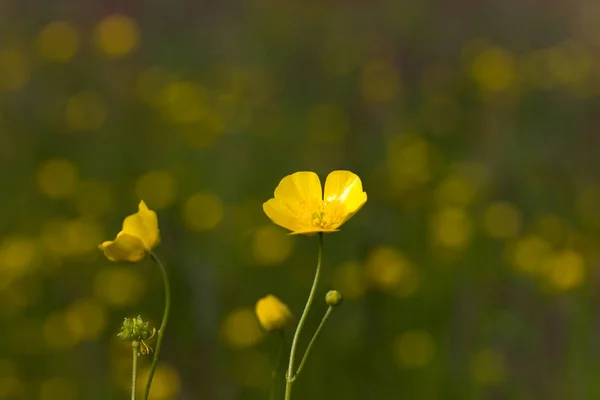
{"type": "Point", "coordinates": [301, 206]}
{"type": "Point", "coordinates": [137, 238]}
{"type": "Point", "coordinates": [272, 314]}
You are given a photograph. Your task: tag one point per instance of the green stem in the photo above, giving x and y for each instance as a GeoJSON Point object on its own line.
{"type": "Point", "coordinates": [279, 354]}
{"type": "Point", "coordinates": [163, 325]}
{"type": "Point", "coordinates": [313, 340]}
{"type": "Point", "coordinates": [136, 348]}
{"type": "Point", "coordinates": [290, 376]}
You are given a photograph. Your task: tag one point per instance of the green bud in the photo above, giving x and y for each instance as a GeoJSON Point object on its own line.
{"type": "Point", "coordinates": [333, 298]}
{"type": "Point", "coordinates": [135, 329]}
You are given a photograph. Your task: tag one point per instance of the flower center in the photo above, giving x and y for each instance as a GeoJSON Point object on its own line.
{"type": "Point", "coordinates": [327, 215]}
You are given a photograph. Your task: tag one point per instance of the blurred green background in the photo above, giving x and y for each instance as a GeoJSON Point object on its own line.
{"type": "Point", "coordinates": [471, 272]}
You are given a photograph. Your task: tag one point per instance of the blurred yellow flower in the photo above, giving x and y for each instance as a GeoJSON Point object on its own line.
{"type": "Point", "coordinates": [137, 238]}
{"type": "Point", "coordinates": [272, 314]}
{"type": "Point", "coordinates": [299, 204]}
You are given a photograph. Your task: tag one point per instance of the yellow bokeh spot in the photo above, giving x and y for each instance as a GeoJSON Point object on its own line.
{"type": "Point", "coordinates": [120, 367]}
{"type": "Point", "coordinates": [452, 228]}
{"type": "Point", "coordinates": [380, 81]}
{"type": "Point", "coordinates": [338, 56]}
{"type": "Point", "coordinates": [408, 161]}
{"type": "Point", "coordinates": [455, 191]}
{"type": "Point", "coordinates": [157, 188]}
{"type": "Point", "coordinates": [17, 255]}
{"type": "Point", "coordinates": [184, 102]}
{"type": "Point", "coordinates": [462, 185]}
{"type": "Point", "coordinates": [202, 211]}
{"type": "Point", "coordinates": [57, 333]}
{"type": "Point", "coordinates": [151, 83]}
{"type": "Point", "coordinates": [93, 199]}
{"type": "Point", "coordinates": [10, 384]}
{"type": "Point", "coordinates": [88, 233]}
{"type": "Point", "coordinates": [24, 334]}
{"type": "Point", "coordinates": [116, 35]}
{"type": "Point", "coordinates": [414, 349]}
{"type": "Point", "coordinates": [494, 70]}
{"type": "Point", "coordinates": [11, 388]}
{"type": "Point", "coordinates": [327, 123]}
{"type": "Point", "coordinates": [58, 41]}
{"type": "Point", "coordinates": [271, 246]}
{"type": "Point", "coordinates": [502, 220]}
{"type": "Point", "coordinates": [488, 367]}
{"type": "Point", "coordinates": [14, 70]}
{"type": "Point", "coordinates": [552, 228]}
{"type": "Point", "coordinates": [57, 178]}
{"type": "Point", "coordinates": [119, 287]}
{"type": "Point", "coordinates": [71, 237]}
{"type": "Point", "coordinates": [251, 369]}
{"type": "Point", "coordinates": [166, 384]}
{"type": "Point", "coordinates": [58, 388]}
{"type": "Point", "coordinates": [18, 295]}
{"type": "Point", "coordinates": [86, 111]}
{"type": "Point", "coordinates": [204, 133]}
{"type": "Point", "coordinates": [86, 319]}
{"type": "Point", "coordinates": [388, 270]}
{"type": "Point", "coordinates": [564, 270]}
{"type": "Point", "coordinates": [569, 63]}
{"type": "Point", "coordinates": [349, 279]}
{"type": "Point", "coordinates": [536, 70]}
{"type": "Point", "coordinates": [529, 252]}
{"type": "Point", "coordinates": [447, 110]}
{"type": "Point", "coordinates": [241, 329]}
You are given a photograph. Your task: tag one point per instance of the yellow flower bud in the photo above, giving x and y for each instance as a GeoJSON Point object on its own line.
{"type": "Point", "coordinates": [333, 298]}
{"type": "Point", "coordinates": [272, 314]}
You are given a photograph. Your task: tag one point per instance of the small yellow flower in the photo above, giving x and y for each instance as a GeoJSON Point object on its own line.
{"type": "Point", "coordinates": [137, 238]}
{"type": "Point", "coordinates": [300, 205]}
{"type": "Point", "coordinates": [272, 314]}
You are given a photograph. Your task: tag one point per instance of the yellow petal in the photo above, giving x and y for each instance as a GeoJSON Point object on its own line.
{"type": "Point", "coordinates": [143, 225]}
{"type": "Point", "coordinates": [124, 248]}
{"type": "Point", "coordinates": [345, 187]}
{"type": "Point", "coordinates": [280, 214]}
{"type": "Point", "coordinates": [299, 188]}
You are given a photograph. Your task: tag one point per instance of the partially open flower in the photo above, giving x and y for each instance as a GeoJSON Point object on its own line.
{"type": "Point", "coordinates": [272, 314]}
{"type": "Point", "coordinates": [137, 238]}
{"type": "Point", "coordinates": [300, 205]}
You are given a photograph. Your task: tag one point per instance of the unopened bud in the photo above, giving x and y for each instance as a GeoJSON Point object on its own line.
{"type": "Point", "coordinates": [333, 298]}
{"type": "Point", "coordinates": [272, 314]}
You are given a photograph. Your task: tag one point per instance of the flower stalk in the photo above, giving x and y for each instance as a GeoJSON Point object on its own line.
{"type": "Point", "coordinates": [163, 325]}
{"type": "Point", "coordinates": [135, 345]}
{"type": "Point", "coordinates": [290, 375]}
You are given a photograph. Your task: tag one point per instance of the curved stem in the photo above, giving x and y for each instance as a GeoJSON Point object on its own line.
{"type": "Point", "coordinates": [290, 371]}
{"type": "Point", "coordinates": [163, 325]}
{"type": "Point", "coordinates": [279, 354]}
{"type": "Point", "coordinates": [136, 348]}
{"type": "Point", "coordinates": [313, 340]}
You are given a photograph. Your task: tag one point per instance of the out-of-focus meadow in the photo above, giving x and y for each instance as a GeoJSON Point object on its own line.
{"type": "Point", "coordinates": [471, 272]}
